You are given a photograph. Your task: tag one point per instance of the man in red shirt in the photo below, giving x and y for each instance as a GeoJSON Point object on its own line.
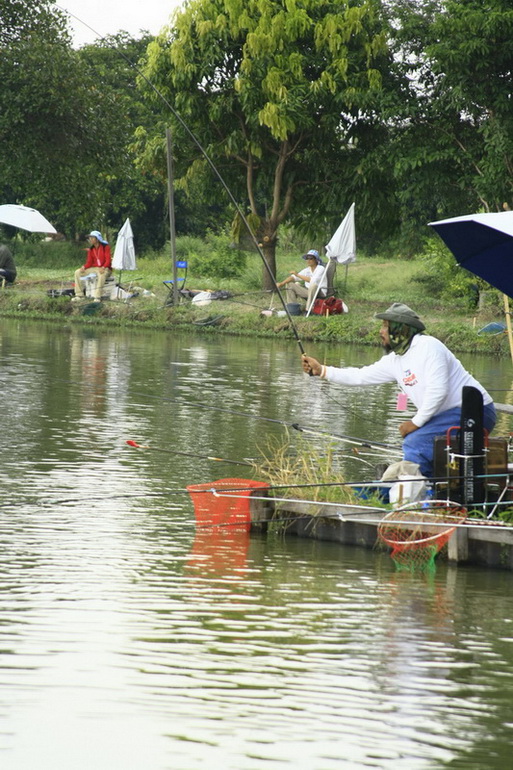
{"type": "Point", "coordinates": [98, 261]}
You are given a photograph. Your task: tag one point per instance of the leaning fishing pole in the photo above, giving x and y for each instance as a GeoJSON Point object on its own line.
{"type": "Point", "coordinates": [348, 439]}
{"type": "Point", "coordinates": [216, 172]}
{"type": "Point", "coordinates": [272, 420]}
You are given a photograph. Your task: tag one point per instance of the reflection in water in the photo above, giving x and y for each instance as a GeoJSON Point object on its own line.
{"type": "Point", "coordinates": [220, 551]}
{"type": "Point", "coordinates": [131, 639]}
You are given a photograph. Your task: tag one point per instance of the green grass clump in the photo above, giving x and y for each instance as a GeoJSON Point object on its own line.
{"type": "Point", "coordinates": [294, 470]}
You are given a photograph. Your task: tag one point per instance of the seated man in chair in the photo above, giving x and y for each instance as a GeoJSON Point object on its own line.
{"type": "Point", "coordinates": [7, 266]}
{"type": "Point", "coordinates": [314, 277]}
{"type": "Point", "coordinates": [98, 261]}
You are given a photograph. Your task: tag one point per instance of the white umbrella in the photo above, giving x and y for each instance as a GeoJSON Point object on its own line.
{"type": "Point", "coordinates": [124, 256]}
{"type": "Point", "coordinates": [25, 218]}
{"type": "Point", "coordinates": [124, 253]}
{"type": "Point", "coordinates": [342, 247]}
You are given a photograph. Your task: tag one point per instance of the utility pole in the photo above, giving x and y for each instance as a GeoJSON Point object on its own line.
{"type": "Point", "coordinates": [171, 201]}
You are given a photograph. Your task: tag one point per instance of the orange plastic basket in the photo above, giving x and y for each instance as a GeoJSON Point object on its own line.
{"type": "Point", "coordinates": [224, 503]}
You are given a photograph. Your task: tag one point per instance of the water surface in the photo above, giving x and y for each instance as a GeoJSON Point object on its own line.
{"type": "Point", "coordinates": [130, 640]}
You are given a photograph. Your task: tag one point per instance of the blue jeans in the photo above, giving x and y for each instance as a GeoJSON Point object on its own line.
{"type": "Point", "coordinates": [418, 447]}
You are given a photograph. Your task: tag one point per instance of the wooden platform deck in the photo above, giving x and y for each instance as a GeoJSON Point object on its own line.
{"type": "Point", "coordinates": [486, 544]}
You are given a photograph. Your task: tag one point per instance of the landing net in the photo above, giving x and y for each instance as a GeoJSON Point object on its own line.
{"type": "Point", "coordinates": [417, 532]}
{"type": "Point", "coordinates": [226, 502]}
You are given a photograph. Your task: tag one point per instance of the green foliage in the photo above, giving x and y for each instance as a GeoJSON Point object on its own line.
{"type": "Point", "coordinates": [304, 465]}
{"type": "Point", "coordinates": [276, 94]}
{"type": "Point", "coordinates": [47, 254]}
{"type": "Point", "coordinates": [66, 122]}
{"type": "Point", "coordinates": [442, 277]}
{"type": "Point", "coordinates": [213, 257]}
{"type": "Point", "coordinates": [452, 137]}
{"type": "Point", "coordinates": [127, 190]}
{"type": "Point", "coordinates": [57, 136]}
{"type": "Point", "coordinates": [472, 51]}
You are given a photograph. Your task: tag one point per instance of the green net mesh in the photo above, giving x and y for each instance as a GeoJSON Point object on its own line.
{"type": "Point", "coordinates": [417, 532]}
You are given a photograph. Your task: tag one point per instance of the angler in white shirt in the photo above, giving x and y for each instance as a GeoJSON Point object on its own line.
{"type": "Point", "coordinates": [313, 275]}
{"type": "Point", "coordinates": [425, 370]}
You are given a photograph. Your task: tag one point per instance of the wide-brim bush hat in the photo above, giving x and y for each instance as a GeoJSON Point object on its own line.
{"type": "Point", "coordinates": [402, 314]}
{"type": "Point", "coordinates": [97, 234]}
{"type": "Point", "coordinates": [313, 254]}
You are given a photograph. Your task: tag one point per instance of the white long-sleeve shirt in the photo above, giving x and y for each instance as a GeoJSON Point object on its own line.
{"type": "Point", "coordinates": [429, 374]}
{"type": "Point", "coordinates": [317, 276]}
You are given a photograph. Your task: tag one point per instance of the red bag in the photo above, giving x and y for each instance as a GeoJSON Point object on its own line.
{"type": "Point", "coordinates": [328, 306]}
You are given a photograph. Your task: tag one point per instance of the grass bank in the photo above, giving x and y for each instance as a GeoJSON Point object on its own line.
{"type": "Point", "coordinates": [368, 285]}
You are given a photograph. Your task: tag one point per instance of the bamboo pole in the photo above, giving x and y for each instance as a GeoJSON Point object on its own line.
{"type": "Point", "coordinates": [508, 324]}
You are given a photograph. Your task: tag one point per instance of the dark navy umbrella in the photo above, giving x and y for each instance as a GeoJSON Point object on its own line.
{"type": "Point", "coordinates": [482, 244]}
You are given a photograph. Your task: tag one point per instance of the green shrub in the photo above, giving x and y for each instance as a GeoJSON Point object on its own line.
{"type": "Point", "coordinates": [442, 277]}
{"type": "Point", "coordinates": [214, 257]}
{"type": "Point", "coordinates": [53, 254]}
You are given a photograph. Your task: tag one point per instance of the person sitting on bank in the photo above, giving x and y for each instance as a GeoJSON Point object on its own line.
{"type": "Point", "coordinates": [426, 370]}
{"type": "Point", "coordinates": [314, 275]}
{"type": "Point", "coordinates": [7, 266]}
{"type": "Point", "coordinates": [98, 261]}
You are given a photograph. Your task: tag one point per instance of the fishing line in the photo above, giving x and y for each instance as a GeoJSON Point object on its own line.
{"type": "Point", "coordinates": [326, 388]}
{"type": "Point", "coordinates": [213, 168]}
{"type": "Point", "coordinates": [135, 445]}
{"type": "Point", "coordinates": [235, 412]}
{"type": "Point", "coordinates": [353, 515]}
{"type": "Point", "coordinates": [216, 172]}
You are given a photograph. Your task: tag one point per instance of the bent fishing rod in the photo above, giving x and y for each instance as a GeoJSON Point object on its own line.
{"type": "Point", "coordinates": [213, 168]}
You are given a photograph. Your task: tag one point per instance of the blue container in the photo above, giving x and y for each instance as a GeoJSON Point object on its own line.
{"type": "Point", "coordinates": [366, 493]}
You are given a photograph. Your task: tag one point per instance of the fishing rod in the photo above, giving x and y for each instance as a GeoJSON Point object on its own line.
{"type": "Point", "coordinates": [276, 421]}
{"type": "Point", "coordinates": [135, 445]}
{"type": "Point", "coordinates": [209, 457]}
{"type": "Point", "coordinates": [236, 412]}
{"type": "Point", "coordinates": [213, 168]}
{"type": "Point", "coordinates": [348, 439]}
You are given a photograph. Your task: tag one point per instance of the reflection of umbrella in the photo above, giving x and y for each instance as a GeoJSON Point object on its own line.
{"type": "Point", "coordinates": [124, 253]}
{"type": "Point", "coordinates": [25, 218]}
{"type": "Point", "coordinates": [483, 244]}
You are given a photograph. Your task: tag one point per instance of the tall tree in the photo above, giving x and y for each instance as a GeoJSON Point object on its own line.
{"type": "Point", "coordinates": [452, 141]}
{"type": "Point", "coordinates": [275, 91]}
{"type": "Point", "coordinates": [112, 65]}
{"type": "Point", "coordinates": [472, 55]}
{"type": "Point", "coordinates": [61, 139]}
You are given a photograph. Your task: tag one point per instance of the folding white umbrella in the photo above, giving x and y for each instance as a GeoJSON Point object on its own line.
{"type": "Point", "coordinates": [124, 253]}
{"type": "Point", "coordinates": [25, 218]}
{"type": "Point", "coordinates": [341, 247]}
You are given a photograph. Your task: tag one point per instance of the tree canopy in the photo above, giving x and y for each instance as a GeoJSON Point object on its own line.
{"type": "Point", "coordinates": [274, 91]}
{"type": "Point", "coordinates": [66, 121]}
{"type": "Point", "coordinates": [303, 106]}
{"type": "Point", "coordinates": [452, 142]}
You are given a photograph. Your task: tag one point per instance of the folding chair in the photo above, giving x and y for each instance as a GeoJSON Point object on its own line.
{"type": "Point", "coordinates": [181, 264]}
{"type": "Point", "coordinates": [330, 277]}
